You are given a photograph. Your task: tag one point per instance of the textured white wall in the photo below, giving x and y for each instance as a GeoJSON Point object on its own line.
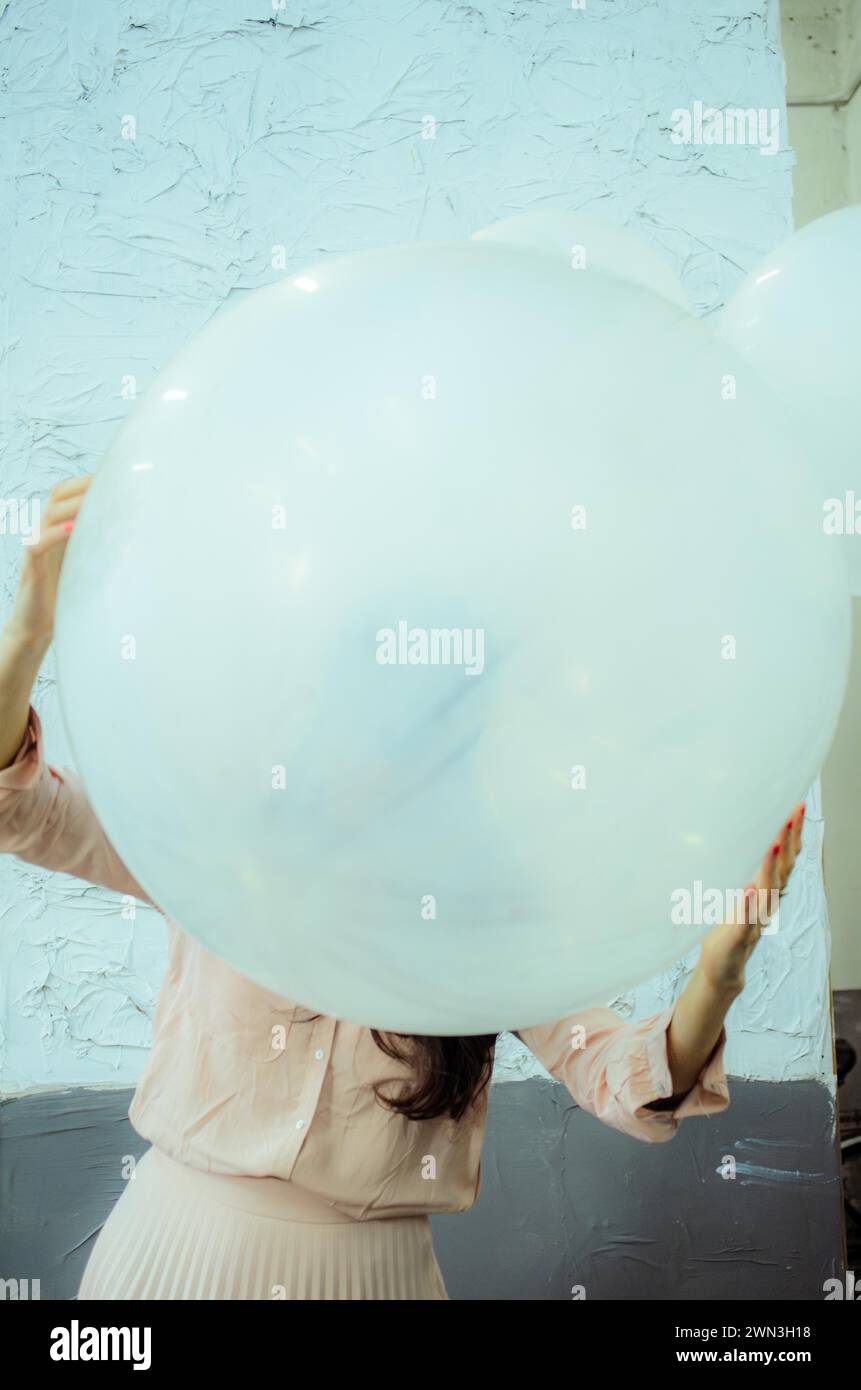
{"type": "Point", "coordinates": [159, 158]}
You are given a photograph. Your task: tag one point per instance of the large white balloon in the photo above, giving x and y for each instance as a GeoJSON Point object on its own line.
{"type": "Point", "coordinates": [433, 621]}
{"type": "Point", "coordinates": [797, 320]}
{"type": "Point", "coordinates": [587, 242]}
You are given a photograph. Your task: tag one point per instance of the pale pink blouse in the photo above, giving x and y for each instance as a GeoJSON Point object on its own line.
{"type": "Point", "coordinates": [241, 1081]}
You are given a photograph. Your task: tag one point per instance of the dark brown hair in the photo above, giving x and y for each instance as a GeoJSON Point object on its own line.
{"type": "Point", "coordinates": [449, 1073]}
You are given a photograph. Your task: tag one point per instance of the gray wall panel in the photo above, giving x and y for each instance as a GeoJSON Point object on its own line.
{"type": "Point", "coordinates": [564, 1199]}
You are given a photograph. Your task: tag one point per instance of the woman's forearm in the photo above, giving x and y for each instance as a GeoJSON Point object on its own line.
{"type": "Point", "coordinates": [695, 1029]}
{"type": "Point", "coordinates": [20, 659]}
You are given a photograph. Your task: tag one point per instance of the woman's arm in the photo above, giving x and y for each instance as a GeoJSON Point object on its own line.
{"type": "Point", "coordinates": [46, 819]}
{"type": "Point", "coordinates": [20, 659]}
{"type": "Point", "coordinates": [29, 629]}
{"type": "Point", "coordinates": [45, 815]}
{"type": "Point", "coordinates": [620, 1073]}
{"type": "Point", "coordinates": [718, 978]}
{"type": "Point", "coordinates": [644, 1077]}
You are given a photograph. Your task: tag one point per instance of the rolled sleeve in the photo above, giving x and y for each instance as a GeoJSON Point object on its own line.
{"type": "Point", "coordinates": [23, 770]}
{"type": "Point", "coordinates": [617, 1070]}
{"type": "Point", "coordinates": [46, 819]}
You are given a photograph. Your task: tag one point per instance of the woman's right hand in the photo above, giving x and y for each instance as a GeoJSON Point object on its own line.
{"type": "Point", "coordinates": [32, 615]}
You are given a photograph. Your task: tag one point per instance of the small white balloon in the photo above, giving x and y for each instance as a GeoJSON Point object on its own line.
{"type": "Point", "coordinates": [796, 319]}
{"type": "Point", "coordinates": [589, 243]}
{"type": "Point", "coordinates": [434, 622]}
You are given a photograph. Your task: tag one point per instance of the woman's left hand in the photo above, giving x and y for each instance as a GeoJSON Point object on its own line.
{"type": "Point", "coordinates": [726, 949]}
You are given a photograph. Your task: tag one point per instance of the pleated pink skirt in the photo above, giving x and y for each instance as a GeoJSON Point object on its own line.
{"type": "Point", "coordinates": [180, 1233]}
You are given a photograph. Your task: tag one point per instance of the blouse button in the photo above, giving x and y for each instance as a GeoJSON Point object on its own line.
{"type": "Point", "coordinates": [299, 1124]}
{"type": "Point", "coordinates": [319, 1054]}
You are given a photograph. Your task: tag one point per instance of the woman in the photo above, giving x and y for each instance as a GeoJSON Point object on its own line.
{"type": "Point", "coordinates": [298, 1156]}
